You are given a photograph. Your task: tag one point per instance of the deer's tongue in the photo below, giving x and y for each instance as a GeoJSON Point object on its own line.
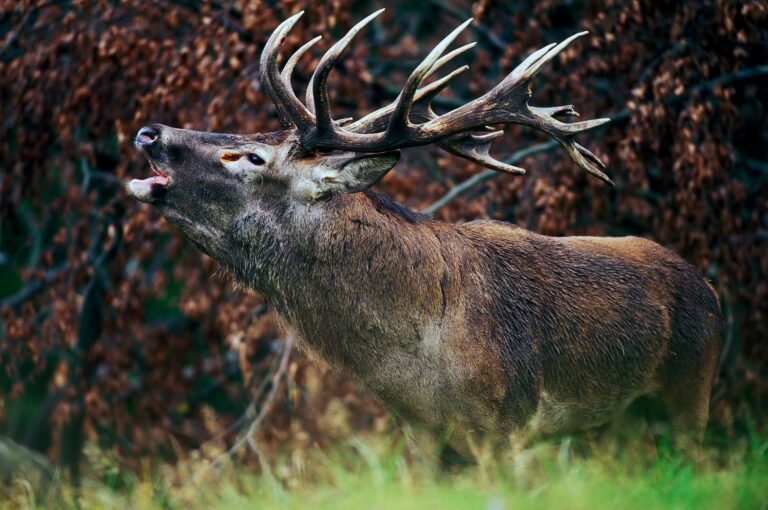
{"type": "Point", "coordinates": [150, 189]}
{"type": "Point", "coordinates": [159, 180]}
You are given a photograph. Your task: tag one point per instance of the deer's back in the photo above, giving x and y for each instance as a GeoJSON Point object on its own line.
{"type": "Point", "coordinates": [582, 322]}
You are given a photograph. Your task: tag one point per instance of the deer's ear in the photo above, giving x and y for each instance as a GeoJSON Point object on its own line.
{"type": "Point", "coordinates": [358, 173]}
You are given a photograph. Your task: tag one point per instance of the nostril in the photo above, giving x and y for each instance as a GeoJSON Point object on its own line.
{"type": "Point", "coordinates": [147, 136]}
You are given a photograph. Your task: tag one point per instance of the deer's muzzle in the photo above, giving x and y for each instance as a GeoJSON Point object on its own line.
{"type": "Point", "coordinates": [152, 188]}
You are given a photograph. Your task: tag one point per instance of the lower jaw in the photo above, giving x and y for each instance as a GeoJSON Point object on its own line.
{"type": "Point", "coordinates": [146, 190]}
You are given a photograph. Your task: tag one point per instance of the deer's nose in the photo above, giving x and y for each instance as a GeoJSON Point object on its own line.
{"type": "Point", "coordinates": [147, 136]}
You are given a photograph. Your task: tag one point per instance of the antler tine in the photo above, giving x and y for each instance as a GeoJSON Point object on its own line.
{"type": "Point", "coordinates": [471, 146]}
{"type": "Point", "coordinates": [289, 66]}
{"type": "Point", "coordinates": [507, 103]}
{"type": "Point", "coordinates": [588, 154]}
{"type": "Point", "coordinates": [448, 57]}
{"type": "Point", "coordinates": [269, 49]}
{"type": "Point", "coordinates": [378, 120]}
{"type": "Point", "coordinates": [559, 111]}
{"type": "Point", "coordinates": [317, 92]}
{"type": "Point", "coordinates": [289, 107]}
{"type": "Point", "coordinates": [399, 118]}
{"type": "Point", "coordinates": [536, 65]}
{"type": "Point", "coordinates": [371, 122]}
{"type": "Point", "coordinates": [476, 148]}
{"type": "Point", "coordinates": [427, 93]}
{"type": "Point", "coordinates": [525, 64]}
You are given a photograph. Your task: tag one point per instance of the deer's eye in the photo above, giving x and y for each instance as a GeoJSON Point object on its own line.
{"type": "Point", "coordinates": [255, 159]}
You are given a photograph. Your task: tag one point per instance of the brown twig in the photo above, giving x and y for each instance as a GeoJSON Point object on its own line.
{"type": "Point", "coordinates": [35, 286]}
{"type": "Point", "coordinates": [481, 29]}
{"type": "Point", "coordinates": [14, 34]}
{"type": "Point", "coordinates": [251, 411]}
{"type": "Point", "coordinates": [266, 406]}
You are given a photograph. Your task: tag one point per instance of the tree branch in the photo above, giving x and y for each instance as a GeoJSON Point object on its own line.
{"type": "Point", "coordinates": [34, 287]}
{"type": "Point", "coordinates": [486, 175]}
{"type": "Point", "coordinates": [14, 34]}
{"type": "Point", "coordinates": [484, 31]}
{"type": "Point", "coordinates": [247, 437]}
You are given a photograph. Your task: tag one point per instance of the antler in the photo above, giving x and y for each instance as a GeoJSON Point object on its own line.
{"type": "Point", "coordinates": [410, 121]}
{"type": "Point", "coordinates": [289, 108]}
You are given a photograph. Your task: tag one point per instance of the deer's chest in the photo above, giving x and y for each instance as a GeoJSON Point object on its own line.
{"type": "Point", "coordinates": [422, 378]}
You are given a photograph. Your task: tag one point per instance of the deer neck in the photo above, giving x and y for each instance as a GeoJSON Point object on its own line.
{"type": "Point", "coordinates": [359, 269]}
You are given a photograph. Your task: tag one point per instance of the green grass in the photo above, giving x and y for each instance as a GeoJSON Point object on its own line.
{"type": "Point", "coordinates": [392, 474]}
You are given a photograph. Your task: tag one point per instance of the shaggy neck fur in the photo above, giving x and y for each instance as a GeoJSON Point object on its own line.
{"type": "Point", "coordinates": [345, 273]}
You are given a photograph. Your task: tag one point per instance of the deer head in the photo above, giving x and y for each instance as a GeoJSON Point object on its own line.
{"type": "Point", "coordinates": [210, 185]}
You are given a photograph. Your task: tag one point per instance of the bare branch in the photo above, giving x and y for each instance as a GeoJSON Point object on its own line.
{"type": "Point", "coordinates": [34, 287]}
{"type": "Point", "coordinates": [487, 175]}
{"type": "Point", "coordinates": [248, 436]}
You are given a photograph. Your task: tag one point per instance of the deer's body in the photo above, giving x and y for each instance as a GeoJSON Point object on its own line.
{"type": "Point", "coordinates": [484, 327]}
{"type": "Point", "coordinates": [488, 326]}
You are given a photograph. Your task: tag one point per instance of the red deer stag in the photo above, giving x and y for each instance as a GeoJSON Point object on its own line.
{"type": "Point", "coordinates": [484, 327]}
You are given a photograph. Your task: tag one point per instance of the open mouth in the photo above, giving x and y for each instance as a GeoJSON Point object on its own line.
{"type": "Point", "coordinates": [151, 188]}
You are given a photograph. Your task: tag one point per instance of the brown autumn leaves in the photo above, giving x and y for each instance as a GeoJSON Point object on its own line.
{"type": "Point", "coordinates": [114, 330]}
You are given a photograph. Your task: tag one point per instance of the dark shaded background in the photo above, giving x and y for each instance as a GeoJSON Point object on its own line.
{"type": "Point", "coordinates": [115, 331]}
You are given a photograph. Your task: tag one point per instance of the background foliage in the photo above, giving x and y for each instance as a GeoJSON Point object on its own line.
{"type": "Point", "coordinates": [114, 331]}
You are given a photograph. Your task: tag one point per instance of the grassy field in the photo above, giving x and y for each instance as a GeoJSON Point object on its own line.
{"type": "Point", "coordinates": [394, 474]}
